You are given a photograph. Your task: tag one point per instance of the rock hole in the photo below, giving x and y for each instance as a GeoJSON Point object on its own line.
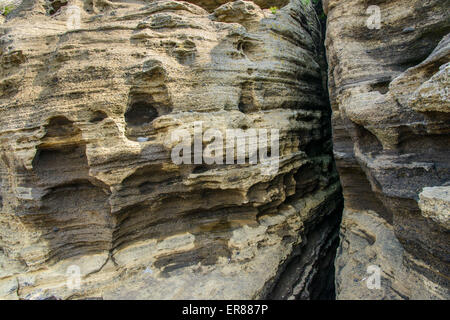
{"type": "Point", "coordinates": [79, 212]}
{"type": "Point", "coordinates": [368, 142]}
{"type": "Point", "coordinates": [72, 202]}
{"type": "Point", "coordinates": [251, 49]}
{"type": "Point", "coordinates": [54, 6]}
{"type": "Point", "coordinates": [98, 116]}
{"type": "Point", "coordinates": [140, 113]}
{"type": "Point", "coordinates": [382, 87]}
{"type": "Point", "coordinates": [247, 99]}
{"type": "Point", "coordinates": [63, 163]}
{"type": "Point", "coordinates": [148, 99]}
{"type": "Point", "coordinates": [201, 169]}
{"type": "Point", "coordinates": [60, 126]}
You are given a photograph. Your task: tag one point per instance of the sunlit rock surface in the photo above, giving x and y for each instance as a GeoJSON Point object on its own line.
{"type": "Point", "coordinates": [87, 112]}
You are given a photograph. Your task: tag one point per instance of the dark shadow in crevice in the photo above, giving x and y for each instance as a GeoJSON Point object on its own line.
{"type": "Point", "coordinates": [55, 5]}
{"type": "Point", "coordinates": [98, 116]}
{"type": "Point", "coordinates": [140, 113]}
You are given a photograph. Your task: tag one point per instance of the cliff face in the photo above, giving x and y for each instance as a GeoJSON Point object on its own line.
{"type": "Point", "coordinates": [389, 94]}
{"type": "Point", "coordinates": [87, 181]}
{"type": "Point", "coordinates": [93, 92]}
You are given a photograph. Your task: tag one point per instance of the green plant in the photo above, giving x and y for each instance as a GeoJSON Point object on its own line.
{"type": "Point", "coordinates": [7, 10]}
{"type": "Point", "coordinates": [273, 9]}
{"type": "Point", "coordinates": [307, 2]}
{"type": "Point", "coordinates": [321, 16]}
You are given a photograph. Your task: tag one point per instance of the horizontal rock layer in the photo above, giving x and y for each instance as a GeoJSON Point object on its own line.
{"type": "Point", "coordinates": [86, 176]}
{"type": "Point", "coordinates": [389, 94]}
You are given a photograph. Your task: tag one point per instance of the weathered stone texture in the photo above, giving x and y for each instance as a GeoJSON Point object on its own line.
{"type": "Point", "coordinates": [86, 177]}
{"type": "Point", "coordinates": [389, 91]}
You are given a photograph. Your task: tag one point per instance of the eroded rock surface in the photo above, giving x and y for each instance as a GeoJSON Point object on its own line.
{"type": "Point", "coordinates": [86, 177]}
{"type": "Point", "coordinates": [389, 90]}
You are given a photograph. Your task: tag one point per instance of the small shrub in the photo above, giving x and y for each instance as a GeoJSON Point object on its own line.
{"type": "Point", "coordinates": [7, 10]}
{"type": "Point", "coordinates": [6, 6]}
{"type": "Point", "coordinates": [273, 10]}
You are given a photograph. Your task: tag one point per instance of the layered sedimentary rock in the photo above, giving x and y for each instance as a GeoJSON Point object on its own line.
{"type": "Point", "coordinates": [389, 91]}
{"type": "Point", "coordinates": [90, 95]}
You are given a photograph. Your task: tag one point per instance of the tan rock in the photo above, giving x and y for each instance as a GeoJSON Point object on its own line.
{"type": "Point", "coordinates": [89, 101]}
{"type": "Point", "coordinates": [435, 204]}
{"type": "Point", "coordinates": [369, 247]}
